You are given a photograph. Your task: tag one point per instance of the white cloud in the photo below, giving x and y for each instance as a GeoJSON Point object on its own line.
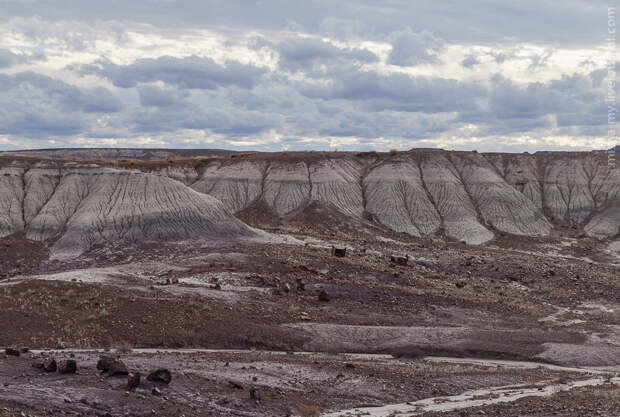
{"type": "Point", "coordinates": [323, 81]}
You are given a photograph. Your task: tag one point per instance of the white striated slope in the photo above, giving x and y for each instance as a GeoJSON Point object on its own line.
{"type": "Point", "coordinates": [606, 223]}
{"type": "Point", "coordinates": [236, 185]}
{"type": "Point", "coordinates": [396, 196]}
{"type": "Point", "coordinates": [76, 206]}
{"type": "Point", "coordinates": [420, 193]}
{"type": "Point", "coordinates": [463, 195]}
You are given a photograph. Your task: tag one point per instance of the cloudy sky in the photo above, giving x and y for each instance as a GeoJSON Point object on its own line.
{"type": "Point", "coordinates": [314, 74]}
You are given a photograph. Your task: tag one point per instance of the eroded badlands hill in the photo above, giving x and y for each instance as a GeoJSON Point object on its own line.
{"type": "Point", "coordinates": [463, 195]}
{"type": "Point", "coordinates": [466, 196]}
{"type": "Point", "coordinates": [74, 207]}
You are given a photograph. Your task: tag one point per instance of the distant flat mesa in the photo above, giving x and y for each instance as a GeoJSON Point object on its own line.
{"type": "Point", "coordinates": [119, 153]}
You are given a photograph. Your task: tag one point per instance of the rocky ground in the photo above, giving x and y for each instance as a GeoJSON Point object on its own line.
{"type": "Point", "coordinates": [588, 401]}
{"type": "Point", "coordinates": [240, 383]}
{"type": "Point", "coordinates": [275, 323]}
{"type": "Point", "coordinates": [547, 301]}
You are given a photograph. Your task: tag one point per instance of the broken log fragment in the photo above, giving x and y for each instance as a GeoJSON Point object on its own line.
{"type": "Point", "coordinates": [324, 296]}
{"type": "Point", "coordinates": [339, 252]}
{"type": "Point", "coordinates": [399, 260]}
{"type": "Point", "coordinates": [133, 380]}
{"type": "Point", "coordinates": [68, 366]}
{"type": "Point", "coordinates": [160, 375]}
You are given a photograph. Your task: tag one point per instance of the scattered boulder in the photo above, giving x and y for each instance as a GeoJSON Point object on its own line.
{"type": "Point", "coordinates": [104, 362]}
{"type": "Point", "coordinates": [11, 351]}
{"type": "Point", "coordinates": [235, 384]}
{"type": "Point", "coordinates": [160, 375]}
{"type": "Point", "coordinates": [300, 285]}
{"type": "Point", "coordinates": [111, 365]}
{"type": "Point", "coordinates": [118, 368]}
{"type": "Point", "coordinates": [48, 365]}
{"type": "Point", "coordinates": [156, 391]}
{"type": "Point", "coordinates": [254, 395]}
{"type": "Point", "coordinates": [324, 296]}
{"type": "Point", "coordinates": [399, 260]}
{"type": "Point", "coordinates": [68, 366]}
{"type": "Point", "coordinates": [339, 252]}
{"type": "Point", "coordinates": [461, 284]}
{"type": "Point", "coordinates": [133, 380]}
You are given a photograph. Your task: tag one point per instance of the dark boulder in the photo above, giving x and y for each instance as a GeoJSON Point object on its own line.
{"type": "Point", "coordinates": [254, 395]}
{"type": "Point", "coordinates": [133, 380]}
{"type": "Point", "coordinates": [160, 375]}
{"type": "Point", "coordinates": [399, 260]}
{"type": "Point", "coordinates": [48, 365]}
{"type": "Point", "coordinates": [339, 252]}
{"type": "Point", "coordinates": [324, 296]}
{"type": "Point", "coordinates": [112, 365]}
{"type": "Point", "coordinates": [104, 363]}
{"type": "Point", "coordinates": [68, 366]}
{"type": "Point", "coordinates": [235, 384]}
{"type": "Point", "coordinates": [11, 351]}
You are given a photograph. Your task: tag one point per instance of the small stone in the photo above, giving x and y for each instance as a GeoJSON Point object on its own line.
{"type": "Point", "coordinates": [156, 391]}
{"type": "Point", "coordinates": [339, 252]}
{"type": "Point", "coordinates": [133, 380]}
{"type": "Point", "coordinates": [324, 296]}
{"type": "Point", "coordinates": [49, 365]}
{"type": "Point", "coordinates": [399, 260]}
{"type": "Point", "coordinates": [11, 351]}
{"type": "Point", "coordinates": [235, 384]}
{"type": "Point", "coordinates": [254, 394]}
